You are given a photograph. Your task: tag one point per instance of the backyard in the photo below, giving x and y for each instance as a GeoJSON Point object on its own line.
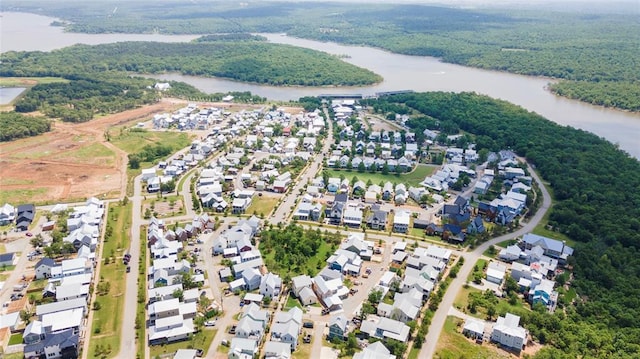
{"type": "Point", "coordinates": [452, 344]}
{"type": "Point", "coordinates": [412, 178]}
{"type": "Point", "coordinates": [200, 340]}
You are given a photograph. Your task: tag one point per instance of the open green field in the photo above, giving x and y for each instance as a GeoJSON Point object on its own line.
{"type": "Point", "coordinates": [453, 345]}
{"type": "Point", "coordinates": [133, 141]}
{"type": "Point", "coordinates": [262, 205]}
{"type": "Point", "coordinates": [29, 81]}
{"type": "Point", "coordinates": [95, 153]}
{"type": "Point", "coordinates": [412, 178]}
{"type": "Point", "coordinates": [200, 340]}
{"type": "Point", "coordinates": [21, 195]}
{"type": "Point", "coordinates": [107, 321]}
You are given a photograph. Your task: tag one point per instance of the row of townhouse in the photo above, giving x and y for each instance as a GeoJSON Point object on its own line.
{"type": "Point", "coordinates": [56, 331]}
{"type": "Point", "coordinates": [170, 317]}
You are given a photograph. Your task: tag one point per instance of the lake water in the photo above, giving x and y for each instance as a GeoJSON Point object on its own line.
{"type": "Point", "coordinates": [400, 72]}
{"type": "Point", "coordinates": [8, 94]}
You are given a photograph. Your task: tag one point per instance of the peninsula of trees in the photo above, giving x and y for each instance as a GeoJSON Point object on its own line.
{"type": "Point", "coordinates": [247, 60]}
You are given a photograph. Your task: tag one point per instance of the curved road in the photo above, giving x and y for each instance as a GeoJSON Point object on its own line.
{"type": "Point", "coordinates": [470, 259]}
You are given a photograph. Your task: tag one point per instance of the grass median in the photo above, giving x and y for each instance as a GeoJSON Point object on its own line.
{"type": "Point", "coordinates": [107, 315]}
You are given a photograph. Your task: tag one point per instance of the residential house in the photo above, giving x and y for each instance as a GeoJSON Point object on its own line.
{"type": "Point", "coordinates": [7, 214]}
{"type": "Point", "coordinates": [240, 205]}
{"type": "Point", "coordinates": [63, 344]}
{"type": "Point", "coordinates": [243, 348]}
{"type": "Point", "coordinates": [476, 226]}
{"type": "Point", "coordinates": [277, 350]}
{"type": "Point", "coordinates": [377, 220]}
{"type": "Point", "coordinates": [496, 272]}
{"type": "Point", "coordinates": [473, 328]}
{"type": "Point", "coordinates": [252, 279]}
{"type": "Point", "coordinates": [401, 221]}
{"type": "Point", "coordinates": [508, 333]}
{"type": "Point", "coordinates": [308, 211]}
{"type": "Point", "coordinates": [376, 350]}
{"type": "Point", "coordinates": [286, 327]}
{"type": "Point", "coordinates": [552, 248]}
{"type": "Point", "coordinates": [385, 328]}
{"type": "Point", "coordinates": [352, 216]}
{"type": "Point", "coordinates": [271, 285]}
{"type": "Point", "coordinates": [300, 282]}
{"type": "Point", "coordinates": [338, 326]}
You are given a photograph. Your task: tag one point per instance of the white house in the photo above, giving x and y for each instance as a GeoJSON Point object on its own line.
{"type": "Point", "coordinates": [508, 333]}
{"type": "Point", "coordinates": [270, 285]}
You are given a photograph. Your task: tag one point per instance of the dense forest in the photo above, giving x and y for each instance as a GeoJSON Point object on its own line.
{"type": "Point", "coordinates": [597, 203]}
{"type": "Point", "coordinates": [594, 52]}
{"type": "Point", "coordinates": [14, 125]}
{"type": "Point", "coordinates": [83, 97]}
{"type": "Point", "coordinates": [248, 60]}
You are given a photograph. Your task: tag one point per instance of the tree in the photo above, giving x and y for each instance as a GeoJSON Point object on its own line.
{"type": "Point", "coordinates": [25, 316]}
{"type": "Point", "coordinates": [361, 167]}
{"type": "Point", "coordinates": [375, 296]}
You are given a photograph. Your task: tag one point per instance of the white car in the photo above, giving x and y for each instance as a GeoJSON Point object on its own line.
{"type": "Point", "coordinates": [210, 323]}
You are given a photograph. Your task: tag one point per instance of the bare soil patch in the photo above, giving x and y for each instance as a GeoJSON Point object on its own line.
{"type": "Point", "coordinates": [66, 163]}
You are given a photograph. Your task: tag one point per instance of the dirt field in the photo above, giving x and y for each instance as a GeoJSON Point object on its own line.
{"type": "Point", "coordinates": [73, 161]}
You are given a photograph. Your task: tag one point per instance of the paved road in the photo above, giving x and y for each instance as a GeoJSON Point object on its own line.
{"type": "Point", "coordinates": [470, 259]}
{"type": "Point", "coordinates": [128, 338]}
{"type": "Point", "coordinates": [283, 212]}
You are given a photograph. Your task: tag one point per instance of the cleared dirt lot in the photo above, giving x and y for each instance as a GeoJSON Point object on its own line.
{"type": "Point", "coordinates": [73, 161]}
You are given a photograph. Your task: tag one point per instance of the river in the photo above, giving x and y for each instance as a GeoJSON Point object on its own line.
{"type": "Point", "coordinates": [400, 72]}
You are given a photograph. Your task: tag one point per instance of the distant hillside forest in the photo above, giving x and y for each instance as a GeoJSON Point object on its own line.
{"type": "Point", "coordinates": [597, 204]}
{"type": "Point", "coordinates": [595, 53]}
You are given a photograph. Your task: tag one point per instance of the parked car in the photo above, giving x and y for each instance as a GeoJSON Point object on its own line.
{"type": "Point", "coordinates": [128, 269]}
{"type": "Point", "coordinates": [308, 325]}
{"type": "Point", "coordinates": [29, 234]}
{"type": "Point", "coordinates": [199, 353]}
{"type": "Point", "coordinates": [307, 338]}
{"type": "Point", "coordinates": [210, 323]}
{"type": "Point", "coordinates": [232, 330]}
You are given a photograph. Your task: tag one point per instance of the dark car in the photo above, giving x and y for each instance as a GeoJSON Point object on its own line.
{"type": "Point", "coordinates": [128, 269]}
{"type": "Point", "coordinates": [308, 325]}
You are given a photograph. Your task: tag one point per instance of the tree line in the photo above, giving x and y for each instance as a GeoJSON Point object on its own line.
{"type": "Point", "coordinates": [597, 204]}
{"type": "Point", "coordinates": [14, 125]}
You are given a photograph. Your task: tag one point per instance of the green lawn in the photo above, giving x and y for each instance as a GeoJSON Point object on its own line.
{"type": "Point", "coordinates": [262, 205]}
{"type": "Point", "coordinates": [15, 339]}
{"type": "Point", "coordinates": [107, 322]}
{"type": "Point", "coordinates": [453, 345]}
{"type": "Point", "coordinates": [462, 298]}
{"type": "Point", "coordinates": [480, 264]}
{"type": "Point", "coordinates": [200, 340]}
{"type": "Point", "coordinates": [141, 338]}
{"type": "Point", "coordinates": [412, 178]}
{"type": "Point", "coordinates": [134, 141]}
{"type": "Point", "coordinates": [413, 354]}
{"type": "Point", "coordinates": [498, 246]}
{"type": "Point", "coordinates": [21, 195]}
{"type": "Point", "coordinates": [292, 302]}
